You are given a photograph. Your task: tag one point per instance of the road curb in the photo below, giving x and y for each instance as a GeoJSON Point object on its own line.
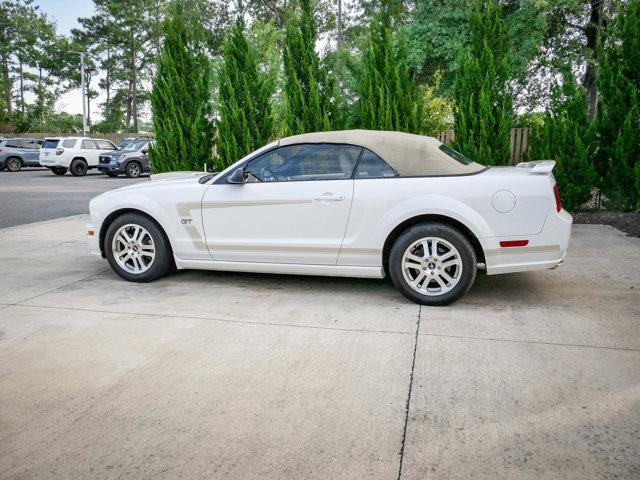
{"type": "Point", "coordinates": [43, 222]}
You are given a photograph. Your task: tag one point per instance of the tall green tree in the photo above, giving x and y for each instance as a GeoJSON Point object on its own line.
{"type": "Point", "coordinates": [483, 107]}
{"type": "Point", "coordinates": [245, 111]}
{"type": "Point", "coordinates": [566, 137]}
{"type": "Point", "coordinates": [310, 94]}
{"type": "Point", "coordinates": [388, 95]}
{"type": "Point", "coordinates": [180, 98]}
{"type": "Point", "coordinates": [618, 119]}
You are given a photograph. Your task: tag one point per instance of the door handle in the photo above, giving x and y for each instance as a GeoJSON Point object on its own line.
{"type": "Point", "coordinates": [329, 197]}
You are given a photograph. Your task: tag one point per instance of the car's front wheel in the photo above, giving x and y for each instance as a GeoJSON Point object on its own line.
{"type": "Point", "coordinates": [58, 170]}
{"type": "Point", "coordinates": [137, 249]}
{"type": "Point", "coordinates": [432, 264]}
{"type": "Point", "coordinates": [133, 170]}
{"type": "Point", "coordinates": [13, 164]}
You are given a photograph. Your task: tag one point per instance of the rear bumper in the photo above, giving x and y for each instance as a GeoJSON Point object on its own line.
{"type": "Point", "coordinates": [51, 162]}
{"type": "Point", "coordinates": [545, 250]}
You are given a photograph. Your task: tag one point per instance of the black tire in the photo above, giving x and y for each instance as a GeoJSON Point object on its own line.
{"type": "Point", "coordinates": [78, 167]}
{"type": "Point", "coordinates": [58, 170]}
{"type": "Point", "coordinates": [449, 234]}
{"type": "Point", "coordinates": [13, 164]}
{"type": "Point", "coordinates": [111, 174]}
{"type": "Point", "coordinates": [133, 169]}
{"type": "Point", "coordinates": [160, 265]}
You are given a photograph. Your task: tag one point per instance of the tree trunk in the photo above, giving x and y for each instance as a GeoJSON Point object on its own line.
{"type": "Point", "coordinates": [134, 81]}
{"type": "Point", "coordinates": [7, 83]}
{"type": "Point", "coordinates": [21, 90]}
{"type": "Point", "coordinates": [592, 32]}
{"type": "Point", "coordinates": [339, 24]}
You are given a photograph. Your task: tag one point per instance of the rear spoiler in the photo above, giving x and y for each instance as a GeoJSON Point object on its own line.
{"type": "Point", "coordinates": [542, 167]}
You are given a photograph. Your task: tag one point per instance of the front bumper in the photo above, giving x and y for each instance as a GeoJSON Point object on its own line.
{"type": "Point", "coordinates": [92, 234]}
{"type": "Point", "coordinates": [110, 167]}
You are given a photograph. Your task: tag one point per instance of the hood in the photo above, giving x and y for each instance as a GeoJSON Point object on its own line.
{"type": "Point", "coordinates": [164, 181]}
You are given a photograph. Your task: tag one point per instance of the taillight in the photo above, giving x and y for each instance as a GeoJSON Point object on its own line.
{"type": "Point", "coordinates": [556, 193]}
{"type": "Point", "coordinates": [60, 151]}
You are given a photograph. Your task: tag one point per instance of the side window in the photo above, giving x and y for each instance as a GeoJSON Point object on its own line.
{"type": "Point", "coordinates": [70, 143]}
{"type": "Point", "coordinates": [11, 143]}
{"type": "Point", "coordinates": [105, 145]}
{"type": "Point", "coordinates": [89, 144]}
{"type": "Point", "coordinates": [30, 144]}
{"type": "Point", "coordinates": [372, 166]}
{"type": "Point", "coordinates": [305, 162]}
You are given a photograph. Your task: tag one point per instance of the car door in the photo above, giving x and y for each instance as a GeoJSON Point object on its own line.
{"type": "Point", "coordinates": [293, 208]}
{"type": "Point", "coordinates": [90, 151]}
{"type": "Point", "coordinates": [31, 152]}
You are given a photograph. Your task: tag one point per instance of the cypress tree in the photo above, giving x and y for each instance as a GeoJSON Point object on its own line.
{"type": "Point", "coordinates": [566, 137]}
{"type": "Point", "coordinates": [388, 94]}
{"type": "Point", "coordinates": [483, 109]}
{"type": "Point", "coordinates": [310, 94]}
{"type": "Point", "coordinates": [180, 98]}
{"type": "Point", "coordinates": [618, 118]}
{"type": "Point", "coordinates": [245, 110]}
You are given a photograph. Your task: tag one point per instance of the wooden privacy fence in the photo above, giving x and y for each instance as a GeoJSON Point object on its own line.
{"type": "Point", "coordinates": [519, 142]}
{"type": "Point", "coordinates": [114, 137]}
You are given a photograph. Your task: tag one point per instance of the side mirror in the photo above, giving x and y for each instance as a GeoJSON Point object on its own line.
{"type": "Point", "coordinates": [144, 152]}
{"type": "Point", "coordinates": [237, 176]}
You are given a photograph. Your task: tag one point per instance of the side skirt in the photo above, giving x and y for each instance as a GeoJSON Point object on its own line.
{"type": "Point", "coordinates": [285, 268]}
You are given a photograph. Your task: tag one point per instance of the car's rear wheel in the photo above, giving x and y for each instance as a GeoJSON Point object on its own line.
{"type": "Point", "coordinates": [78, 167]}
{"type": "Point", "coordinates": [432, 264]}
{"type": "Point", "coordinates": [58, 170]}
{"type": "Point", "coordinates": [137, 249]}
{"type": "Point", "coordinates": [13, 164]}
{"type": "Point", "coordinates": [133, 170]}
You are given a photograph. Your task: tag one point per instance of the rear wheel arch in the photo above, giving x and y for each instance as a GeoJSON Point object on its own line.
{"type": "Point", "coordinates": [429, 218]}
{"type": "Point", "coordinates": [117, 213]}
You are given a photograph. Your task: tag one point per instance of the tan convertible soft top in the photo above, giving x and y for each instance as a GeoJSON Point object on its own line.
{"type": "Point", "coordinates": [410, 155]}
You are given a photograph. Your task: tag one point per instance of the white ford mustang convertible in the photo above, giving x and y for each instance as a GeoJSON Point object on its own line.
{"type": "Point", "coordinates": [352, 203]}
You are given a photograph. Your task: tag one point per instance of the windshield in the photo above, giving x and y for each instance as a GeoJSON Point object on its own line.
{"type": "Point", "coordinates": [136, 144]}
{"type": "Point", "coordinates": [50, 143]}
{"type": "Point", "coordinates": [124, 143]}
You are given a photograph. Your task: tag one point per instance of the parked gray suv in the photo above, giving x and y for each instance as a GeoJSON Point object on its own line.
{"type": "Point", "coordinates": [16, 153]}
{"type": "Point", "coordinates": [131, 159]}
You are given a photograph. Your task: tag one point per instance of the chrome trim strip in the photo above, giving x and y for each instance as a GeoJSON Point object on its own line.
{"type": "Point", "coordinates": [512, 250]}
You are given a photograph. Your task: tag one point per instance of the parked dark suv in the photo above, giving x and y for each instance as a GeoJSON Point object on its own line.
{"type": "Point", "coordinates": [16, 153]}
{"type": "Point", "coordinates": [131, 159]}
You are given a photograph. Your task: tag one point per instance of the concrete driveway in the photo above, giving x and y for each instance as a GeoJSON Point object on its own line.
{"type": "Point", "coordinates": [220, 375]}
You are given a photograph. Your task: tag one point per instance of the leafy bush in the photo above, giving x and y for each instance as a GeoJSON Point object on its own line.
{"type": "Point", "coordinates": [566, 138]}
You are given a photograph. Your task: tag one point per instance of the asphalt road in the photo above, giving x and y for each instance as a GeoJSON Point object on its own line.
{"type": "Point", "coordinates": [219, 375]}
{"type": "Point", "coordinates": [33, 195]}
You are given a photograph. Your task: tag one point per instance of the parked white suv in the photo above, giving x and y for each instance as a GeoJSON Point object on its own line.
{"type": "Point", "coordinates": [76, 154]}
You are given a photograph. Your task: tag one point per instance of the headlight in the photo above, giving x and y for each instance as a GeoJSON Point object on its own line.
{"type": "Point", "coordinates": [117, 158]}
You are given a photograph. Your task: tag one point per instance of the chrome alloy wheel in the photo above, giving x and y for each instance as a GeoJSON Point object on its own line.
{"type": "Point", "coordinates": [133, 248]}
{"type": "Point", "coordinates": [432, 266]}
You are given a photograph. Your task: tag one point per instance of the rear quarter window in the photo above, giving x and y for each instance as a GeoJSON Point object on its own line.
{"type": "Point", "coordinates": [50, 143]}
{"type": "Point", "coordinates": [69, 143]}
{"type": "Point", "coordinates": [457, 156]}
